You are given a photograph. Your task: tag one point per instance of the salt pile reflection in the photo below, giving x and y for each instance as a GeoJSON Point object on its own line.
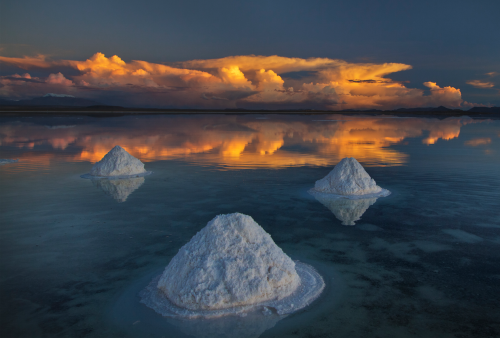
{"type": "Point", "coordinates": [119, 189]}
{"type": "Point", "coordinates": [348, 211]}
{"type": "Point", "coordinates": [252, 325]}
{"type": "Point", "coordinates": [424, 262]}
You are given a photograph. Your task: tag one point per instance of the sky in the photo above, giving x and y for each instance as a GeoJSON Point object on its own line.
{"type": "Point", "coordinates": [255, 54]}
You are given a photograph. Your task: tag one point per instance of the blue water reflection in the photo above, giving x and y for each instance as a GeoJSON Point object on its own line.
{"type": "Point", "coordinates": [424, 261]}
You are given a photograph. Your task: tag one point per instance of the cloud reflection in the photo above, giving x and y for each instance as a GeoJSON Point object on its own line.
{"type": "Point", "coordinates": [239, 141]}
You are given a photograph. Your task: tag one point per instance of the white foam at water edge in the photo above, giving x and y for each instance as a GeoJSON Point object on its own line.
{"type": "Point", "coordinates": [310, 287]}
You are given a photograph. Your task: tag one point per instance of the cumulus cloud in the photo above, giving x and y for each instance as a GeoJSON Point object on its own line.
{"type": "Point", "coordinates": [481, 84]}
{"type": "Point", "coordinates": [478, 142]}
{"type": "Point", "coordinates": [27, 62]}
{"type": "Point", "coordinates": [25, 86]}
{"type": "Point", "coordinates": [248, 81]}
{"type": "Point", "coordinates": [59, 79]}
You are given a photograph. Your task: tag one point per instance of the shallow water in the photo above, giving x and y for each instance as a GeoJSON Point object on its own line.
{"type": "Point", "coordinates": [422, 262]}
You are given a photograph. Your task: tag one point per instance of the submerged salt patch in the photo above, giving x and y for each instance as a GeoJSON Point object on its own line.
{"type": "Point", "coordinates": [7, 161]}
{"type": "Point", "coordinates": [231, 266]}
{"type": "Point", "coordinates": [118, 162]}
{"type": "Point", "coordinates": [349, 178]}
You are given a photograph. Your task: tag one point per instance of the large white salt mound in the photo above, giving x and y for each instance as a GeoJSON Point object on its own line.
{"type": "Point", "coordinates": [231, 266]}
{"type": "Point", "coordinates": [349, 178]}
{"type": "Point", "coordinates": [230, 262]}
{"type": "Point", "coordinates": [118, 162]}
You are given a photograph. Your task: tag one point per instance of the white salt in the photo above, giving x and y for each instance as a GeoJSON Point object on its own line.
{"type": "Point", "coordinates": [231, 266]}
{"type": "Point", "coordinates": [7, 161]}
{"type": "Point", "coordinates": [118, 162]}
{"type": "Point", "coordinates": [349, 178]}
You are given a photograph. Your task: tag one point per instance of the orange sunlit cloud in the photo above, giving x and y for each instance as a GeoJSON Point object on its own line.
{"type": "Point", "coordinates": [232, 82]}
{"type": "Point", "coordinates": [481, 84]}
{"type": "Point", "coordinates": [478, 142]}
{"type": "Point", "coordinates": [27, 62]}
{"type": "Point", "coordinates": [242, 142]}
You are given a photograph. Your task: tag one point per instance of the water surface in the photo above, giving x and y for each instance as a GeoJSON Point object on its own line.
{"type": "Point", "coordinates": [423, 262]}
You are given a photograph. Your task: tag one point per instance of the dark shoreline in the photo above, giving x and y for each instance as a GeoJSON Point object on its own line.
{"type": "Point", "coordinates": [110, 111]}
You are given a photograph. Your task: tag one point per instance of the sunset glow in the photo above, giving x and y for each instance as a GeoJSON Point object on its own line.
{"type": "Point", "coordinates": [260, 82]}
{"type": "Point", "coordinates": [246, 143]}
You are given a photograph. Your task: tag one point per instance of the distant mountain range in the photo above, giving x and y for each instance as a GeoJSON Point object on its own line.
{"type": "Point", "coordinates": [60, 101]}
{"type": "Point", "coordinates": [52, 100]}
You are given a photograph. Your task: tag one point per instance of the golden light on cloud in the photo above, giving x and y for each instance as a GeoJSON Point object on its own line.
{"type": "Point", "coordinates": [249, 81]}
{"type": "Point", "coordinates": [242, 142]}
{"type": "Point", "coordinates": [478, 142]}
{"type": "Point", "coordinates": [481, 84]}
{"type": "Point", "coordinates": [27, 62]}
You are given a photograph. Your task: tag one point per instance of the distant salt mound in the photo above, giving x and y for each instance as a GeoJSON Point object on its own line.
{"type": "Point", "coordinates": [348, 211]}
{"type": "Point", "coordinates": [231, 266]}
{"type": "Point", "coordinates": [119, 189]}
{"type": "Point", "coordinates": [4, 161]}
{"type": "Point", "coordinates": [118, 163]}
{"type": "Point", "coordinates": [349, 179]}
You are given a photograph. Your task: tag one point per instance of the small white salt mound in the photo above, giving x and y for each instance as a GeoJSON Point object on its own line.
{"type": "Point", "coordinates": [119, 189]}
{"type": "Point", "coordinates": [7, 161]}
{"type": "Point", "coordinates": [349, 178]}
{"type": "Point", "coordinates": [348, 211]}
{"type": "Point", "coordinates": [118, 162]}
{"type": "Point", "coordinates": [231, 266]}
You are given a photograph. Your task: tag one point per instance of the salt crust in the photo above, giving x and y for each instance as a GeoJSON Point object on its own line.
{"type": "Point", "coordinates": [349, 180]}
{"type": "Point", "coordinates": [7, 161]}
{"type": "Point", "coordinates": [117, 163]}
{"type": "Point", "coordinates": [310, 287]}
{"type": "Point", "coordinates": [231, 266]}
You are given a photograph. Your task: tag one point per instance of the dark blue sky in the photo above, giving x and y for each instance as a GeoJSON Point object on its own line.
{"type": "Point", "coordinates": [448, 42]}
